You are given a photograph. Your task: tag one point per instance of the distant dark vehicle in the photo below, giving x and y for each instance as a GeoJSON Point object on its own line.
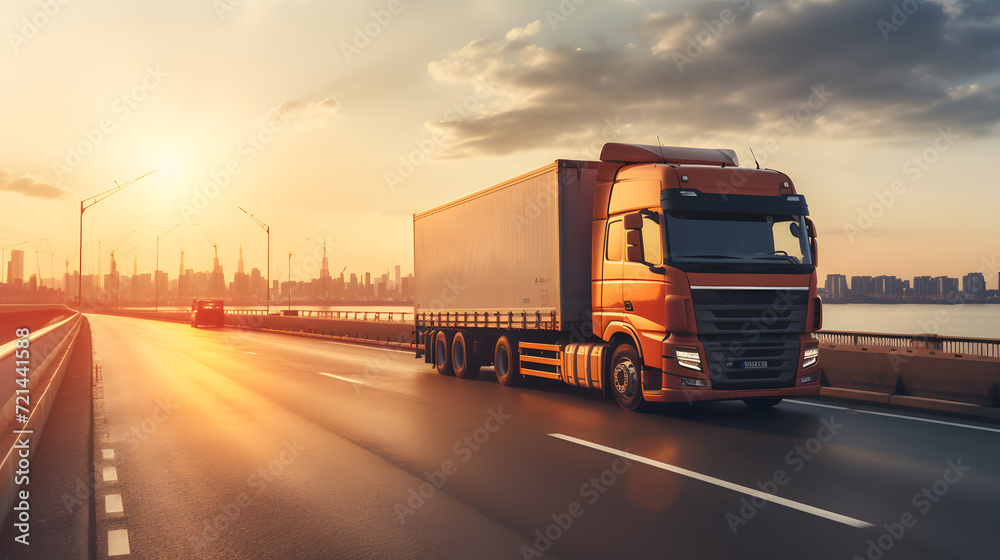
{"type": "Point", "coordinates": [207, 313]}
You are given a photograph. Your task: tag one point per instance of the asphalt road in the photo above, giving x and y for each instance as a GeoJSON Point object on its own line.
{"type": "Point", "coordinates": [229, 444]}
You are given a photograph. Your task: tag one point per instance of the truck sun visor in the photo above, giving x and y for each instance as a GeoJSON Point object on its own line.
{"type": "Point", "coordinates": [692, 200]}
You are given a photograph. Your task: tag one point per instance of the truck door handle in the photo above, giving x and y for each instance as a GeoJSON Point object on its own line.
{"type": "Point", "coordinates": [628, 305]}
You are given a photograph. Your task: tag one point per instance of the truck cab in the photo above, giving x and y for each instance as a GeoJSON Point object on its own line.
{"type": "Point", "coordinates": [710, 270]}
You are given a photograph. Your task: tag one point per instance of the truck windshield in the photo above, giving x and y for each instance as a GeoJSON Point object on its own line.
{"type": "Point", "coordinates": [703, 237]}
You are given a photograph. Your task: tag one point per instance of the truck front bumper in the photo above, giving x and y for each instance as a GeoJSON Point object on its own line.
{"type": "Point", "coordinates": [684, 384]}
{"type": "Point", "coordinates": [689, 394]}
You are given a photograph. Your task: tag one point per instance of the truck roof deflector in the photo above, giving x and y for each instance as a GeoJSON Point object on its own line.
{"type": "Point", "coordinates": [643, 153]}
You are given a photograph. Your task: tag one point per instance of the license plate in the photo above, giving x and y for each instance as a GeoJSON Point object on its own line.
{"type": "Point", "coordinates": [759, 364]}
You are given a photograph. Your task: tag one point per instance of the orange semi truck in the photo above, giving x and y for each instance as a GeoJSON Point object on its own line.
{"type": "Point", "coordinates": [658, 274]}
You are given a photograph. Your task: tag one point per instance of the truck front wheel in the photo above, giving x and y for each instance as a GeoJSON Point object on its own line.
{"type": "Point", "coordinates": [506, 363]}
{"type": "Point", "coordinates": [442, 353]}
{"type": "Point", "coordinates": [464, 361]}
{"type": "Point", "coordinates": [625, 379]}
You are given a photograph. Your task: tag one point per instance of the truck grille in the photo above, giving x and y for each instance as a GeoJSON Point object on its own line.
{"type": "Point", "coordinates": [750, 311]}
{"type": "Point", "coordinates": [751, 362]}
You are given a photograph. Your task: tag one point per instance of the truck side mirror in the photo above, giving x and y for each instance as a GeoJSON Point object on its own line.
{"type": "Point", "coordinates": [811, 228]}
{"type": "Point", "coordinates": [633, 244]}
{"type": "Point", "coordinates": [633, 221]}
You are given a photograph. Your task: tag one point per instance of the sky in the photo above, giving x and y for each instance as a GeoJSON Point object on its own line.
{"type": "Point", "coordinates": [333, 122]}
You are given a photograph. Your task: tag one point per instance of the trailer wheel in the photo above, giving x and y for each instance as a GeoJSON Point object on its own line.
{"type": "Point", "coordinates": [442, 353]}
{"type": "Point", "coordinates": [625, 381]}
{"type": "Point", "coordinates": [505, 362]}
{"type": "Point", "coordinates": [463, 360]}
{"type": "Point", "coordinates": [762, 402]}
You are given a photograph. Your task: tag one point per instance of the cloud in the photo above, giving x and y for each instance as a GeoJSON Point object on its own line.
{"type": "Point", "coordinates": [316, 111]}
{"type": "Point", "coordinates": [33, 186]}
{"type": "Point", "coordinates": [740, 67]}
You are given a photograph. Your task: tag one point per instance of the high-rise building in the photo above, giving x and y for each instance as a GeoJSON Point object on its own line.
{"type": "Point", "coordinates": [395, 285]}
{"type": "Point", "coordinates": [974, 286]}
{"type": "Point", "coordinates": [862, 285]}
{"type": "Point", "coordinates": [836, 286]}
{"type": "Point", "coordinates": [112, 282]}
{"type": "Point", "coordinates": [183, 281]}
{"type": "Point", "coordinates": [241, 280]}
{"type": "Point", "coordinates": [217, 281]}
{"type": "Point", "coordinates": [926, 286]}
{"type": "Point", "coordinates": [948, 285]}
{"type": "Point", "coordinates": [258, 285]}
{"type": "Point", "coordinates": [15, 267]}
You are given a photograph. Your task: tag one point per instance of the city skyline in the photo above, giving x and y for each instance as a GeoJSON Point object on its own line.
{"type": "Point", "coordinates": [971, 287]}
{"type": "Point", "coordinates": [117, 283]}
{"type": "Point", "coordinates": [333, 136]}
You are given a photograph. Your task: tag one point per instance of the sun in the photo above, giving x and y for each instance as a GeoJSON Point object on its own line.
{"type": "Point", "coordinates": [171, 166]}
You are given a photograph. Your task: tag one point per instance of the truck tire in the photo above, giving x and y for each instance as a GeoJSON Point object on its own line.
{"type": "Point", "coordinates": [442, 353]}
{"type": "Point", "coordinates": [625, 379]}
{"type": "Point", "coordinates": [762, 402]}
{"type": "Point", "coordinates": [464, 361]}
{"type": "Point", "coordinates": [505, 361]}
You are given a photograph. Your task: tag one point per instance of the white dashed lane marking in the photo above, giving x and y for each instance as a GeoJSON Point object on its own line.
{"type": "Point", "coordinates": [805, 508]}
{"type": "Point", "coordinates": [110, 474]}
{"type": "Point", "coordinates": [118, 542]}
{"type": "Point", "coordinates": [342, 378]}
{"type": "Point", "coordinates": [113, 503]}
{"type": "Point", "coordinates": [108, 453]}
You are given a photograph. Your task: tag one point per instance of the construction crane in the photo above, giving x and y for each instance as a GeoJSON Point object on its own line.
{"type": "Point", "coordinates": [52, 260]}
{"type": "Point", "coordinates": [127, 235]}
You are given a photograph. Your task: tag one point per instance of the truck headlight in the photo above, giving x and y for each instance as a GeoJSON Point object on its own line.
{"type": "Point", "coordinates": [688, 358]}
{"type": "Point", "coordinates": [810, 356]}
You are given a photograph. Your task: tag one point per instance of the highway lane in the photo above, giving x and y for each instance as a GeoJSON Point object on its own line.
{"type": "Point", "coordinates": [303, 448]}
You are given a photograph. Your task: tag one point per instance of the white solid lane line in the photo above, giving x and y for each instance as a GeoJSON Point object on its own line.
{"type": "Point", "coordinates": [113, 503]}
{"type": "Point", "coordinates": [108, 453]}
{"type": "Point", "coordinates": [118, 542]}
{"type": "Point", "coordinates": [890, 415]}
{"type": "Point", "coordinates": [721, 483]}
{"type": "Point", "coordinates": [110, 474]}
{"type": "Point", "coordinates": [342, 378]}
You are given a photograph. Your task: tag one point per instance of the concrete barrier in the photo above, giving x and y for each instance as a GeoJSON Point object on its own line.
{"type": "Point", "coordinates": [26, 410]}
{"type": "Point", "coordinates": [915, 377]}
{"type": "Point", "coordinates": [34, 317]}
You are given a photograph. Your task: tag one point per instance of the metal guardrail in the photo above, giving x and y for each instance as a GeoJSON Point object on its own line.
{"type": "Point", "coordinates": [368, 316]}
{"type": "Point", "coordinates": [27, 405]}
{"type": "Point", "coordinates": [986, 347]}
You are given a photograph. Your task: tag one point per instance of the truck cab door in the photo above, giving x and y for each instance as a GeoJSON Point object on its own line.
{"type": "Point", "coordinates": [644, 288]}
{"type": "Point", "coordinates": [611, 305]}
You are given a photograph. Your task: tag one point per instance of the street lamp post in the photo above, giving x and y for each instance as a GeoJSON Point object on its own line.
{"type": "Point", "coordinates": [267, 229]}
{"type": "Point", "coordinates": [156, 273]}
{"type": "Point", "coordinates": [87, 203]}
{"type": "Point", "coordinates": [290, 271]}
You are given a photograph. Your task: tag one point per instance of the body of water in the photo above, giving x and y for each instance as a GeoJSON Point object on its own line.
{"type": "Point", "coordinates": [963, 320]}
